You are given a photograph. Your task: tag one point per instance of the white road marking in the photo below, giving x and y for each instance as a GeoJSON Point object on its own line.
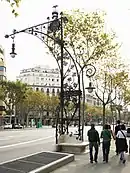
{"type": "Point", "coordinates": [5, 138]}
{"type": "Point", "coordinates": [23, 143]}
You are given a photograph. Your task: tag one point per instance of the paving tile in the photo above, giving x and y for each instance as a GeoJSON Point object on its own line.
{"type": "Point", "coordinates": [82, 165]}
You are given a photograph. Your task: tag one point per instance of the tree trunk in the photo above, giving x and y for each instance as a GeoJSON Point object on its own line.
{"type": "Point", "coordinates": [113, 119]}
{"type": "Point", "coordinates": [27, 121]}
{"type": "Point", "coordinates": [83, 106]}
{"type": "Point", "coordinates": [104, 115]}
{"type": "Point", "coordinates": [119, 114]}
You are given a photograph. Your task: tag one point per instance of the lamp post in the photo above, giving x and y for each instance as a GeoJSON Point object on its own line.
{"type": "Point", "coordinates": [90, 72]}
{"type": "Point", "coordinates": [54, 30]}
{"type": "Point", "coordinates": [13, 53]}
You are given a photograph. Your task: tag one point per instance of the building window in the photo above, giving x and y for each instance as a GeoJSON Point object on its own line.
{"type": "Point", "coordinates": [47, 91]}
{"type": "Point", "coordinates": [37, 78]}
{"type": "Point", "coordinates": [37, 89]}
{"type": "Point", "coordinates": [57, 80]}
{"type": "Point", "coordinates": [53, 91]}
{"type": "Point", "coordinates": [42, 89]}
{"type": "Point", "coordinates": [42, 78]}
{"type": "Point", "coordinates": [58, 91]}
{"type": "Point", "coordinates": [52, 79]}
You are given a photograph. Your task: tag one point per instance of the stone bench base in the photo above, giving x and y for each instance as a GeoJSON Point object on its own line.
{"type": "Point", "coordinates": [77, 148]}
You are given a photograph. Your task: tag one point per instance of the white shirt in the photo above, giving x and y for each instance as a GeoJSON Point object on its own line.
{"type": "Point", "coordinates": [120, 135]}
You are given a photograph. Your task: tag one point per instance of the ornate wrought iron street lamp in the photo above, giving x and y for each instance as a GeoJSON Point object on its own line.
{"type": "Point", "coordinates": [90, 72]}
{"type": "Point", "coordinates": [52, 34]}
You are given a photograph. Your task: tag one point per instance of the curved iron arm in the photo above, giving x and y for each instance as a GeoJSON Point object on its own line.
{"type": "Point", "coordinates": [48, 48]}
{"type": "Point", "coordinates": [90, 70]}
{"type": "Point", "coordinates": [35, 31]}
{"type": "Point", "coordinates": [35, 26]}
{"type": "Point", "coordinates": [59, 43]}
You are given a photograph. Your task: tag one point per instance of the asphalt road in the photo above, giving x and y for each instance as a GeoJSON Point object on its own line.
{"type": "Point", "coordinates": [18, 143]}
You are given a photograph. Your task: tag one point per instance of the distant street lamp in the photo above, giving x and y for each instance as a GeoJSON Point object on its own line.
{"type": "Point", "coordinates": [13, 53]}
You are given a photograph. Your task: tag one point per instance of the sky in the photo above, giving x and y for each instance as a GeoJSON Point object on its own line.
{"type": "Point", "coordinates": [31, 51]}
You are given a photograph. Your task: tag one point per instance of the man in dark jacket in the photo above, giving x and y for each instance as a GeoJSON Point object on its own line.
{"type": "Point", "coordinates": [94, 142]}
{"type": "Point", "coordinates": [117, 128]}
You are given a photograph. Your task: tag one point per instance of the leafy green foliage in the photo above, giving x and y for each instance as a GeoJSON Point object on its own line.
{"type": "Point", "coordinates": [1, 51]}
{"type": "Point", "coordinates": [12, 93]}
{"type": "Point", "coordinates": [93, 110]}
{"type": "Point", "coordinates": [14, 5]}
{"type": "Point", "coordinates": [111, 77]}
{"type": "Point", "coordinates": [37, 101]}
{"type": "Point", "coordinates": [86, 37]}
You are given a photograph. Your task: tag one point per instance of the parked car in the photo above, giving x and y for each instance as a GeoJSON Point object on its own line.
{"type": "Point", "coordinates": [128, 132]}
{"type": "Point", "coordinates": [8, 126]}
{"type": "Point", "coordinates": [18, 126]}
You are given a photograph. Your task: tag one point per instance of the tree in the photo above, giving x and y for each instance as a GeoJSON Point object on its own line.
{"type": "Point", "coordinates": [126, 96]}
{"type": "Point", "coordinates": [93, 112]}
{"type": "Point", "coordinates": [12, 93]}
{"type": "Point", "coordinates": [36, 103]}
{"type": "Point", "coordinates": [53, 103]}
{"type": "Point", "coordinates": [33, 104]}
{"type": "Point", "coordinates": [111, 78]}
{"type": "Point", "coordinates": [86, 40]}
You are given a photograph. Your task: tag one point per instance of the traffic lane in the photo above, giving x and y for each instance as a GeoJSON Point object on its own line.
{"type": "Point", "coordinates": [14, 152]}
{"type": "Point", "coordinates": [31, 132]}
{"type": "Point", "coordinates": [13, 138]}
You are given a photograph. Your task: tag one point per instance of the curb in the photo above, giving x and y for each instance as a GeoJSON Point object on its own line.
{"type": "Point", "coordinates": [54, 165]}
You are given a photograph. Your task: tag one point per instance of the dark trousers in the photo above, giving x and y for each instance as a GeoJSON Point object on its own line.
{"type": "Point", "coordinates": [106, 150]}
{"type": "Point", "coordinates": [116, 142]}
{"type": "Point", "coordinates": [95, 146]}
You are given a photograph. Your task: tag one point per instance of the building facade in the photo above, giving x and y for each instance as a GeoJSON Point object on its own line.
{"type": "Point", "coordinates": [42, 78]}
{"type": "Point", "coordinates": [92, 100]}
{"type": "Point", "coordinates": [2, 77]}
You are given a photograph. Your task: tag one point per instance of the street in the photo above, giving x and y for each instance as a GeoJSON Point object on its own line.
{"type": "Point", "coordinates": [19, 143]}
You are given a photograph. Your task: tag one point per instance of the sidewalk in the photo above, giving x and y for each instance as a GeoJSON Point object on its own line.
{"type": "Point", "coordinates": [82, 165]}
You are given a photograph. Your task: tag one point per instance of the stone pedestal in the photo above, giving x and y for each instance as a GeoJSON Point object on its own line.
{"type": "Point", "coordinates": [69, 144]}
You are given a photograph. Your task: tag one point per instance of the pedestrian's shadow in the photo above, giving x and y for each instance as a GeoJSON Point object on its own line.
{"type": "Point", "coordinates": [112, 166]}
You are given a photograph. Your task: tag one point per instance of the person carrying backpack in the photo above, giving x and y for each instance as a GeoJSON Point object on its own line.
{"type": "Point", "coordinates": [94, 142]}
{"type": "Point", "coordinates": [106, 135]}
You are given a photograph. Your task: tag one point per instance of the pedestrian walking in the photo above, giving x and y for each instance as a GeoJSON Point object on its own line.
{"type": "Point", "coordinates": [106, 135]}
{"type": "Point", "coordinates": [94, 142]}
{"type": "Point", "coordinates": [117, 128]}
{"type": "Point", "coordinates": [112, 133]}
{"type": "Point", "coordinates": [122, 143]}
